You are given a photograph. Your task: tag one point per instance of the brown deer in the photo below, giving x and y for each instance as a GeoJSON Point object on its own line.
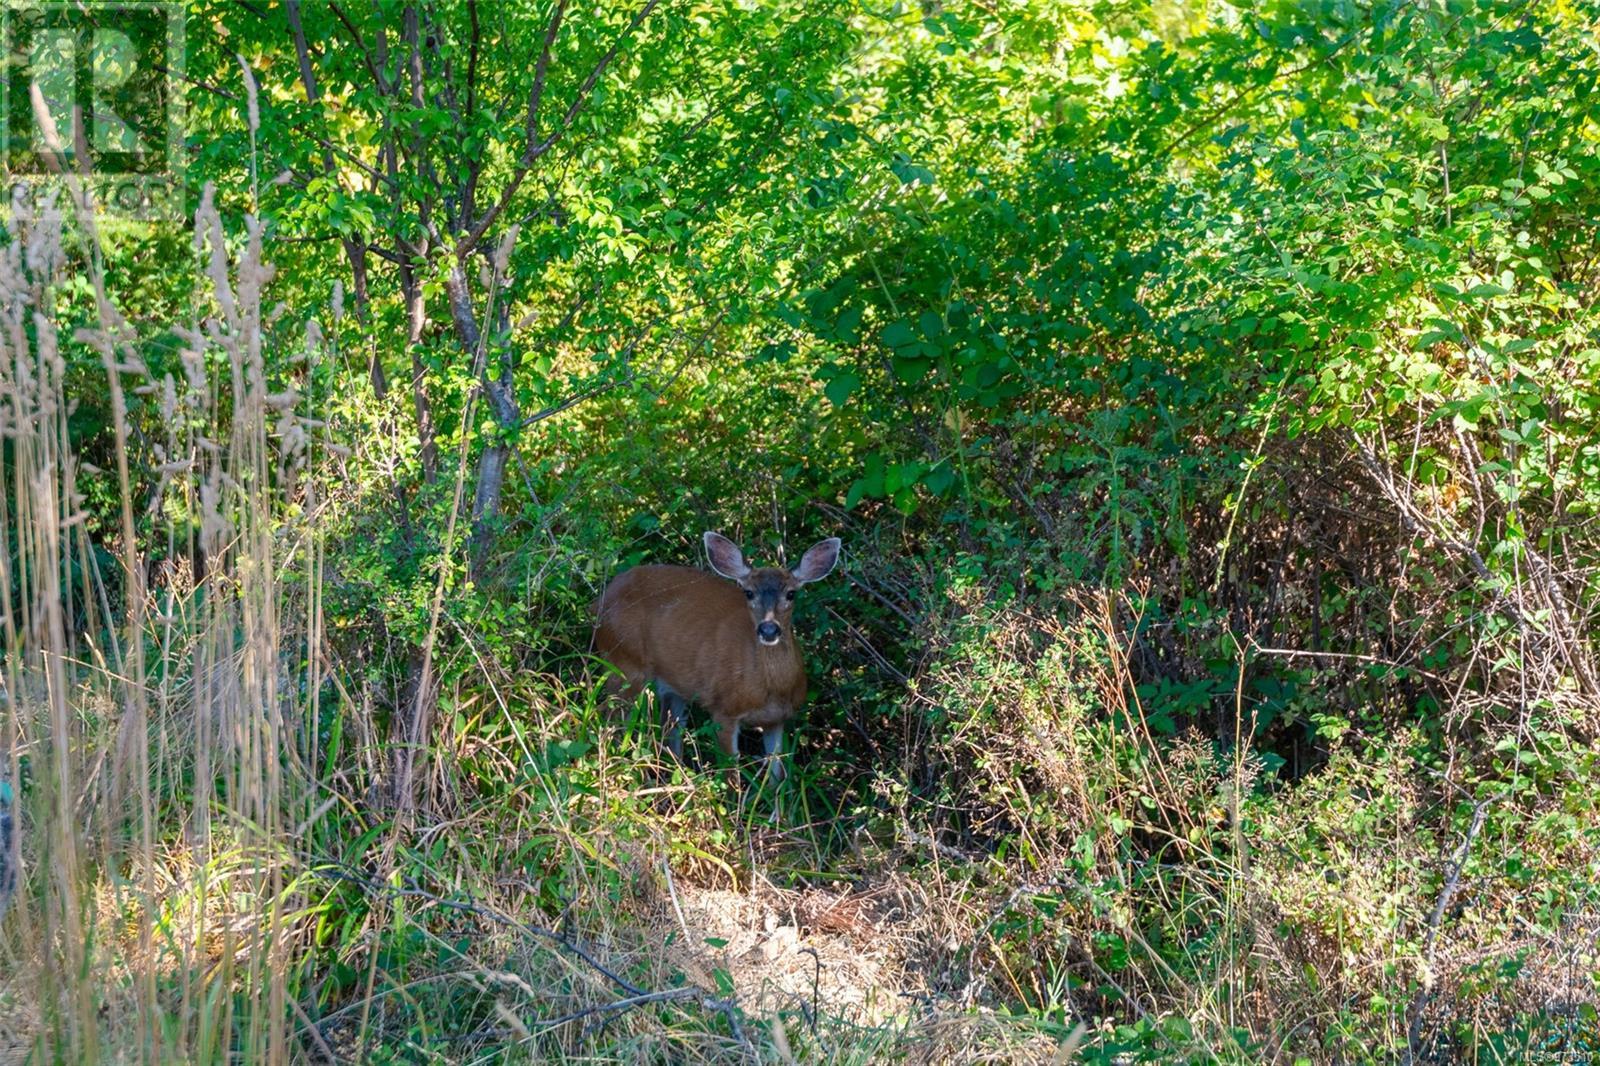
{"type": "Point", "coordinates": [727, 647]}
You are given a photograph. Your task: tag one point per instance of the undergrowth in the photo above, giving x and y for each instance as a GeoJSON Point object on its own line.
{"type": "Point", "coordinates": [1210, 673]}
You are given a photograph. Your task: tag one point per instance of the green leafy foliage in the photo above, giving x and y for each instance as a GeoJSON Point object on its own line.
{"type": "Point", "coordinates": [1206, 396]}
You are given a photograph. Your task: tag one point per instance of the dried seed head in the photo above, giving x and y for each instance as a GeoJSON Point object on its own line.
{"type": "Point", "coordinates": [252, 105]}
{"type": "Point", "coordinates": [502, 254]}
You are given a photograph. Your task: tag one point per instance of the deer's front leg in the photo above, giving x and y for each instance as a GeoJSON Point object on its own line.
{"type": "Point", "coordinates": [728, 736]}
{"type": "Point", "coordinates": [677, 709]}
{"type": "Point", "coordinates": [772, 745]}
{"type": "Point", "coordinates": [728, 741]}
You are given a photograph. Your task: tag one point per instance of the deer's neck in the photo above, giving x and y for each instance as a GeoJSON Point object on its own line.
{"type": "Point", "coordinates": [778, 663]}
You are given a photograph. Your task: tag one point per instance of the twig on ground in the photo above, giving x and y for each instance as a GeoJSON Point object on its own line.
{"type": "Point", "coordinates": [949, 851]}
{"type": "Point", "coordinates": [1452, 882]}
{"type": "Point", "coordinates": [337, 871]}
{"type": "Point", "coordinates": [816, 981]}
{"type": "Point", "coordinates": [314, 1031]}
{"type": "Point", "coordinates": [636, 996]}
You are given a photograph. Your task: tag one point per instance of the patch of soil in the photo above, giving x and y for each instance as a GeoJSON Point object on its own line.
{"type": "Point", "coordinates": [843, 954]}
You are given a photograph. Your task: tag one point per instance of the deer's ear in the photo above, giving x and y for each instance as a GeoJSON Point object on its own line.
{"type": "Point", "coordinates": [726, 558]}
{"type": "Point", "coordinates": [818, 561]}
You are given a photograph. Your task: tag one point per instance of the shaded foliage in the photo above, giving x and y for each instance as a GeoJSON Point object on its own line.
{"type": "Point", "coordinates": [1206, 395]}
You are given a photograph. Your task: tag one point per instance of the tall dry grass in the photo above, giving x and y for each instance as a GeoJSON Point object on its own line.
{"type": "Point", "coordinates": [183, 837]}
{"type": "Point", "coordinates": [155, 728]}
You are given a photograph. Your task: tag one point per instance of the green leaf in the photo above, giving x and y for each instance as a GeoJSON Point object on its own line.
{"type": "Point", "coordinates": [845, 327]}
{"type": "Point", "coordinates": [910, 370]}
{"type": "Point", "coordinates": [911, 174]}
{"type": "Point", "coordinates": [901, 476]}
{"type": "Point", "coordinates": [775, 352]}
{"type": "Point", "coordinates": [840, 387]}
{"type": "Point", "coordinates": [940, 478]}
{"type": "Point", "coordinates": [870, 484]}
{"type": "Point", "coordinates": [898, 335]}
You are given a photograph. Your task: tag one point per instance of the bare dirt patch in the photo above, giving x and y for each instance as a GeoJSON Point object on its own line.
{"type": "Point", "coordinates": [841, 953]}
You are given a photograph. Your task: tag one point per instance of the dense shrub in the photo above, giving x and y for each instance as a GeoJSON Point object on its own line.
{"type": "Point", "coordinates": [1205, 396]}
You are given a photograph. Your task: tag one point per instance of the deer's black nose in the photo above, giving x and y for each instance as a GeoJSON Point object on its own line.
{"type": "Point", "coordinates": [768, 632]}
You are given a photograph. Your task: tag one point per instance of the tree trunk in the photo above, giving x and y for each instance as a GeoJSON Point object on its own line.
{"type": "Point", "coordinates": [412, 723]}
{"type": "Point", "coordinates": [501, 395]}
{"type": "Point", "coordinates": [409, 729]}
{"type": "Point", "coordinates": [355, 250]}
{"type": "Point", "coordinates": [417, 320]}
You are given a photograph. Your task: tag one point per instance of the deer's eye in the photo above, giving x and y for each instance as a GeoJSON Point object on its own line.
{"type": "Point", "coordinates": [749, 594]}
{"type": "Point", "coordinates": [789, 595]}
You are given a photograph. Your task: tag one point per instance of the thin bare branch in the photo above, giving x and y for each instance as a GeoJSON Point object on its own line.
{"type": "Point", "coordinates": [373, 68]}
{"type": "Point", "coordinates": [537, 148]}
{"type": "Point", "coordinates": [541, 68]}
{"type": "Point", "coordinates": [308, 73]}
{"type": "Point", "coordinates": [588, 85]}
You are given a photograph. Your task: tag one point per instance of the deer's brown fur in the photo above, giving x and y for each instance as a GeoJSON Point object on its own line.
{"type": "Point", "coordinates": [721, 642]}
